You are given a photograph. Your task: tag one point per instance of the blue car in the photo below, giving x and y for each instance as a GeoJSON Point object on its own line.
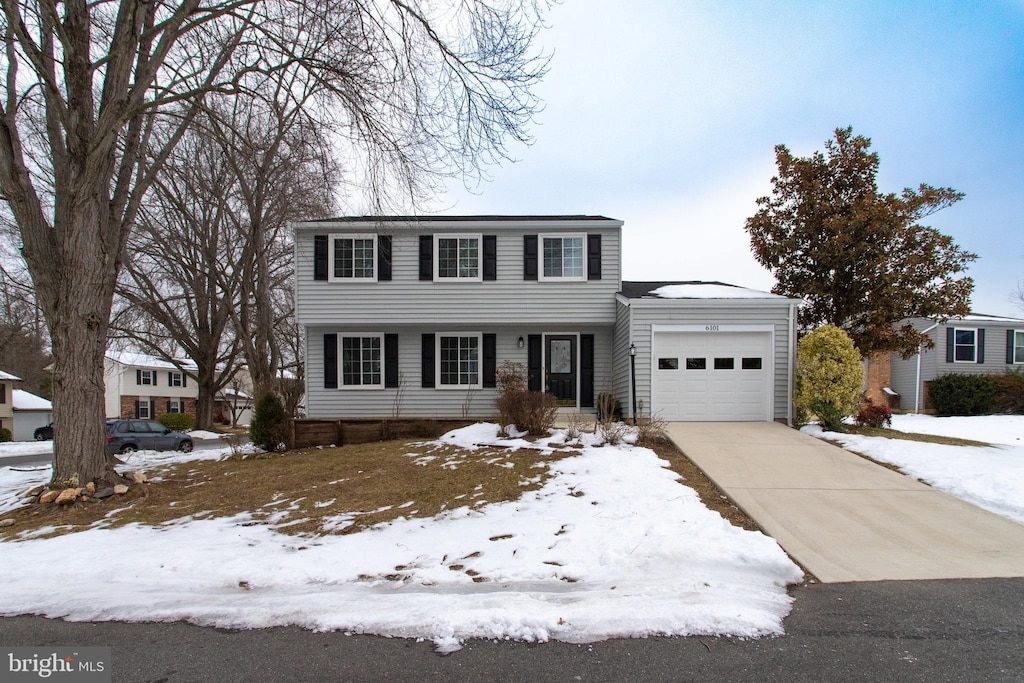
{"type": "Point", "coordinates": [128, 436]}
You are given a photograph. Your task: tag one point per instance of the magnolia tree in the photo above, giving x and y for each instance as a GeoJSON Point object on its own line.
{"type": "Point", "coordinates": [829, 376]}
{"type": "Point", "coordinates": [98, 94]}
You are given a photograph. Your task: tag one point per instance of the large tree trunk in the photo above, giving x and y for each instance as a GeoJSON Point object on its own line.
{"type": "Point", "coordinates": [204, 404]}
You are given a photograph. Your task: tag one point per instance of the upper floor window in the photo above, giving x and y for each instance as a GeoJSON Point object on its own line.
{"type": "Point", "coordinates": [175, 379]}
{"type": "Point", "coordinates": [564, 257]}
{"type": "Point", "coordinates": [145, 377]}
{"type": "Point", "coordinates": [459, 359]}
{"type": "Point", "coordinates": [1018, 346]}
{"type": "Point", "coordinates": [457, 257]}
{"type": "Point", "coordinates": [352, 257]}
{"type": "Point", "coordinates": [965, 346]}
{"type": "Point", "coordinates": [361, 361]}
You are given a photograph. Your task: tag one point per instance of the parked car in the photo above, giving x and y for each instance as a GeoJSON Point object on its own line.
{"type": "Point", "coordinates": [128, 436]}
{"type": "Point", "coordinates": [44, 433]}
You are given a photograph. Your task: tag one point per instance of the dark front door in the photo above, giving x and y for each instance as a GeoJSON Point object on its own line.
{"type": "Point", "coordinates": [560, 354]}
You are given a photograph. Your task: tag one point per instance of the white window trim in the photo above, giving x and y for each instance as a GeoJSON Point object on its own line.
{"type": "Point", "coordinates": [540, 258]}
{"type": "Point", "coordinates": [179, 376]}
{"type": "Point", "coordinates": [151, 374]}
{"type": "Point", "coordinates": [1015, 361]}
{"type": "Point", "coordinates": [351, 236]}
{"type": "Point", "coordinates": [144, 404]}
{"type": "Point", "coordinates": [341, 362]}
{"type": "Point", "coordinates": [974, 356]}
{"type": "Point", "coordinates": [175, 405]}
{"type": "Point", "coordinates": [479, 361]}
{"type": "Point", "coordinates": [479, 256]}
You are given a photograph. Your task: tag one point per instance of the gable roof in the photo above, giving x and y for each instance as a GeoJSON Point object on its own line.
{"type": "Point", "coordinates": [23, 400]}
{"type": "Point", "coordinates": [142, 360]}
{"type": "Point", "coordinates": [9, 377]}
{"type": "Point", "coordinates": [692, 289]}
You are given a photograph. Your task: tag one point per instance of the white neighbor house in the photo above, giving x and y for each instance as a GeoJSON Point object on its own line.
{"type": "Point", "coordinates": [413, 316]}
{"type": "Point", "coordinates": [146, 387]}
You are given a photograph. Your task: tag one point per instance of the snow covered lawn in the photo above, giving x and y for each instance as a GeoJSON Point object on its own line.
{"type": "Point", "coordinates": [612, 545]}
{"type": "Point", "coordinates": [991, 478]}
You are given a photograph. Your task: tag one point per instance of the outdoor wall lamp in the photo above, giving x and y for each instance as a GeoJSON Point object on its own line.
{"type": "Point", "coordinates": [521, 342]}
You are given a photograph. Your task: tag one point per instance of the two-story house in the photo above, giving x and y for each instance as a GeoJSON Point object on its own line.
{"type": "Point", "coordinates": [412, 316]}
{"type": "Point", "coordinates": [974, 344]}
{"type": "Point", "coordinates": [145, 387]}
{"type": "Point", "coordinates": [7, 381]}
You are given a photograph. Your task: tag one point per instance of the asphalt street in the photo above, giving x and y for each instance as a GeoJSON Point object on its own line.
{"type": "Point", "coordinates": [948, 630]}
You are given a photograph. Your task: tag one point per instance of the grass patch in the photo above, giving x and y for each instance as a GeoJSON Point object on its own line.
{"type": "Point", "coordinates": [911, 436]}
{"type": "Point", "coordinates": [310, 492]}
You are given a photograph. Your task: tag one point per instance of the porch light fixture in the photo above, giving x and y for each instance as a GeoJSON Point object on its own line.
{"type": "Point", "coordinates": [521, 343]}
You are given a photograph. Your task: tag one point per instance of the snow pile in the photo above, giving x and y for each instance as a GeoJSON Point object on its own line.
{"type": "Point", "coordinates": [991, 478]}
{"type": "Point", "coordinates": [12, 449]}
{"type": "Point", "coordinates": [612, 546]}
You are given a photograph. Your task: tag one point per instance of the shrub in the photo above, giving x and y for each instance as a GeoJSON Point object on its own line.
{"type": "Point", "coordinates": [179, 422]}
{"type": "Point", "coordinates": [652, 431]}
{"type": "Point", "coordinates": [608, 407]}
{"type": "Point", "coordinates": [961, 394]}
{"type": "Point", "coordinates": [531, 411]}
{"type": "Point", "coordinates": [613, 433]}
{"type": "Point", "coordinates": [269, 427]}
{"type": "Point", "coordinates": [872, 415]}
{"type": "Point", "coordinates": [1009, 392]}
{"type": "Point", "coordinates": [829, 376]}
{"type": "Point", "coordinates": [5, 435]}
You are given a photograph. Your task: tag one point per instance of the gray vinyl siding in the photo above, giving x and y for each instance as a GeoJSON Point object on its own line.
{"type": "Point", "coordinates": [933, 361]}
{"type": "Point", "coordinates": [407, 299]}
{"type": "Point", "coordinates": [621, 371]}
{"type": "Point", "coordinates": [437, 402]}
{"type": "Point", "coordinates": [645, 313]}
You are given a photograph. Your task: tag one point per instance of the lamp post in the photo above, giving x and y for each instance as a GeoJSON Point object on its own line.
{"type": "Point", "coordinates": [632, 376]}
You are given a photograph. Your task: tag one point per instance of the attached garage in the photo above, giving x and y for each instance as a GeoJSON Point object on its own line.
{"type": "Point", "coordinates": [711, 375]}
{"type": "Point", "coordinates": [705, 352]}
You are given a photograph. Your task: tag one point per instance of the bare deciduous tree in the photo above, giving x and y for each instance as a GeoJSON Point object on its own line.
{"type": "Point", "coordinates": [418, 90]}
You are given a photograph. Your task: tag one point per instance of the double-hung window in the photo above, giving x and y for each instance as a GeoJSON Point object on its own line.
{"type": "Point", "coordinates": [1018, 346]}
{"type": "Point", "coordinates": [174, 405]}
{"type": "Point", "coordinates": [457, 257]}
{"type": "Point", "coordinates": [965, 345]}
{"type": "Point", "coordinates": [564, 257]}
{"type": "Point", "coordinates": [147, 377]}
{"type": "Point", "coordinates": [175, 379]}
{"type": "Point", "coordinates": [361, 361]}
{"type": "Point", "coordinates": [352, 257]}
{"type": "Point", "coordinates": [459, 360]}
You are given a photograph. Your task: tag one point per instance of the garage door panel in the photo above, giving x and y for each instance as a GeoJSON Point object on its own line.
{"type": "Point", "coordinates": [711, 394]}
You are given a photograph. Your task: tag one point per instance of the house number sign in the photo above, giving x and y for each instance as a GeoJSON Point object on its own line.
{"type": "Point", "coordinates": [711, 328]}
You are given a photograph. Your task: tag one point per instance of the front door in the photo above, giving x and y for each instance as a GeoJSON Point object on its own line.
{"type": "Point", "coordinates": [560, 354]}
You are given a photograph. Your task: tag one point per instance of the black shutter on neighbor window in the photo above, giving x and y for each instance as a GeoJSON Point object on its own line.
{"type": "Point", "coordinates": [330, 361]}
{"type": "Point", "coordinates": [170, 378]}
{"type": "Point", "coordinates": [533, 354]}
{"type": "Point", "coordinates": [138, 376]}
{"type": "Point", "coordinates": [384, 257]}
{"type": "Point", "coordinates": [152, 410]}
{"type": "Point", "coordinates": [136, 410]}
{"type": "Point", "coordinates": [426, 257]}
{"type": "Point", "coordinates": [980, 355]}
{"type": "Point", "coordinates": [1009, 346]}
{"type": "Point", "coordinates": [391, 361]}
{"type": "Point", "coordinates": [586, 371]}
{"type": "Point", "coordinates": [427, 362]}
{"type": "Point", "coordinates": [490, 365]}
{"type": "Point", "coordinates": [950, 344]}
{"type": "Point", "coordinates": [529, 257]}
{"type": "Point", "coordinates": [490, 257]}
{"type": "Point", "coordinates": [593, 257]}
{"type": "Point", "coordinates": [168, 406]}
{"type": "Point", "coordinates": [184, 379]}
{"type": "Point", "coordinates": [320, 257]}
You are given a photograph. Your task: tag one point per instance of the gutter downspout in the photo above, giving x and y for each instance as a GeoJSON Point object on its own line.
{"type": "Point", "coordinates": [917, 381]}
{"type": "Point", "coordinates": [792, 364]}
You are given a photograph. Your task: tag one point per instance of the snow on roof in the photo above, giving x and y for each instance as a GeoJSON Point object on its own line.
{"type": "Point", "coordinates": [981, 317]}
{"type": "Point", "coordinates": [710, 290]}
{"type": "Point", "coordinates": [142, 360]}
{"type": "Point", "coordinates": [23, 400]}
{"type": "Point", "coordinates": [9, 377]}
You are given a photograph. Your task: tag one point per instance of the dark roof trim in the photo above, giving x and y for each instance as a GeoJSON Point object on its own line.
{"type": "Point", "coordinates": [639, 290]}
{"type": "Point", "coordinates": [450, 219]}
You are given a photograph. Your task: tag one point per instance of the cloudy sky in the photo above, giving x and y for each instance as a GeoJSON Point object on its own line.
{"type": "Point", "coordinates": [665, 113]}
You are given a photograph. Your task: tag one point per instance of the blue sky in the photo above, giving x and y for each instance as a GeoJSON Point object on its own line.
{"type": "Point", "coordinates": [665, 114]}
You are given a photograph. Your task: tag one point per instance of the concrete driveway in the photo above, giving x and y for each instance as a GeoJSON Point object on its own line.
{"type": "Point", "coordinates": [844, 518]}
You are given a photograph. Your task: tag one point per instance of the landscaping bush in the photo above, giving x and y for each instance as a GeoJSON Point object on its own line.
{"type": "Point", "coordinates": [872, 415]}
{"type": "Point", "coordinates": [179, 422]}
{"type": "Point", "coordinates": [1009, 388]}
{"type": "Point", "coordinates": [5, 435]}
{"type": "Point", "coordinates": [531, 411]}
{"type": "Point", "coordinates": [829, 376]}
{"type": "Point", "coordinates": [961, 394]}
{"type": "Point", "coordinates": [269, 427]}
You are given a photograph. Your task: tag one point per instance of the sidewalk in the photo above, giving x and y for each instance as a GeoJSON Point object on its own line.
{"type": "Point", "coordinates": [843, 517]}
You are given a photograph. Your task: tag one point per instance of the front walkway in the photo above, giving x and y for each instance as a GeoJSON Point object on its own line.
{"type": "Point", "coordinates": [843, 517]}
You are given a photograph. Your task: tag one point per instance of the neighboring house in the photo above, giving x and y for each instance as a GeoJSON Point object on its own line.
{"type": "Point", "coordinates": [145, 387]}
{"type": "Point", "coordinates": [30, 413]}
{"type": "Point", "coordinates": [7, 381]}
{"type": "Point", "coordinates": [413, 316]}
{"type": "Point", "coordinates": [975, 344]}
{"type": "Point", "coordinates": [233, 407]}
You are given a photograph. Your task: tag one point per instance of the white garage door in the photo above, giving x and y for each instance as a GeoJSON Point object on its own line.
{"type": "Point", "coordinates": [711, 376]}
